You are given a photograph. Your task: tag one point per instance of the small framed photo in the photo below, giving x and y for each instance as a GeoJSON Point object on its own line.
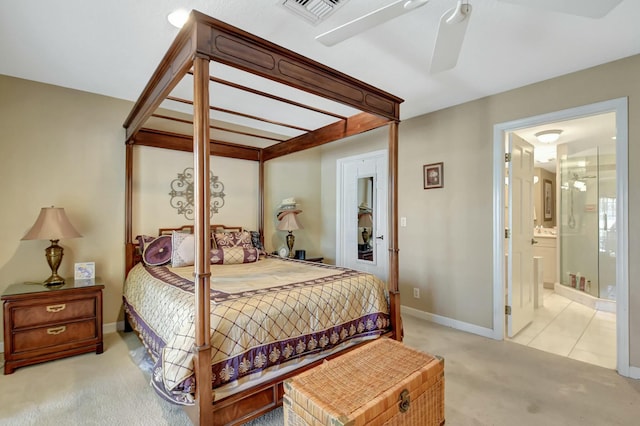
{"type": "Point", "coordinates": [548, 200]}
{"type": "Point", "coordinates": [84, 271]}
{"type": "Point", "coordinates": [433, 175]}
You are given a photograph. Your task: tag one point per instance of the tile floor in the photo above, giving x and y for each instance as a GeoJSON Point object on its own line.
{"type": "Point", "coordinates": [567, 328]}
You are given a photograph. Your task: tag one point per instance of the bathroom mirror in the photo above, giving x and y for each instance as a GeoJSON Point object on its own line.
{"type": "Point", "coordinates": [366, 231]}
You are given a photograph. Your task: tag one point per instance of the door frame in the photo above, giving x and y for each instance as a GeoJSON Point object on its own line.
{"type": "Point", "coordinates": [500, 131]}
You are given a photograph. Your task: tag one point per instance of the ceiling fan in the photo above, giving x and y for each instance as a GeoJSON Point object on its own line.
{"type": "Point", "coordinates": [453, 23]}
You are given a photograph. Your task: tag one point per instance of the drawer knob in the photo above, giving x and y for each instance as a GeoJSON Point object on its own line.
{"type": "Point", "coordinates": [57, 330]}
{"type": "Point", "coordinates": [56, 308]}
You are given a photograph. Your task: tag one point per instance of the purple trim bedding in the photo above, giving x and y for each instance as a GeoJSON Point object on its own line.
{"type": "Point", "coordinates": [263, 315]}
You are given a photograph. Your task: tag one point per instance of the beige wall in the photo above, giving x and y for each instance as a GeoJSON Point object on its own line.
{"type": "Point", "coordinates": [64, 148]}
{"type": "Point", "coordinates": [155, 169]}
{"type": "Point", "coordinates": [446, 248]}
{"type": "Point", "coordinates": [298, 176]}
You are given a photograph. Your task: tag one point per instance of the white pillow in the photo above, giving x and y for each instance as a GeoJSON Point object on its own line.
{"type": "Point", "coordinates": [182, 249]}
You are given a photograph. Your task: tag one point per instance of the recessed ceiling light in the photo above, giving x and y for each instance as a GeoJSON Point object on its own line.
{"type": "Point", "coordinates": [178, 17]}
{"type": "Point", "coordinates": [548, 136]}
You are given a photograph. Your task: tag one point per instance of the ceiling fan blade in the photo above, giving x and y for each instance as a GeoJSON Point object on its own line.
{"type": "Point", "coordinates": [588, 8]}
{"type": "Point", "coordinates": [451, 31]}
{"type": "Point", "coordinates": [368, 21]}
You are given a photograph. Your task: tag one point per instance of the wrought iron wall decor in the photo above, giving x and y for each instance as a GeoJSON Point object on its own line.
{"type": "Point", "coordinates": [182, 193]}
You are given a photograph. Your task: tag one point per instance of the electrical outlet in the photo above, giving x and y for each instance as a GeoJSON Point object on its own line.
{"type": "Point", "coordinates": [416, 293]}
{"type": "Point", "coordinates": [403, 222]}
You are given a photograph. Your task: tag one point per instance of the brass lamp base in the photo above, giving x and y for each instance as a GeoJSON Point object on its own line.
{"type": "Point", "coordinates": [54, 281]}
{"type": "Point", "coordinates": [54, 254]}
{"type": "Point", "coordinates": [365, 236]}
{"type": "Point", "coordinates": [290, 240]}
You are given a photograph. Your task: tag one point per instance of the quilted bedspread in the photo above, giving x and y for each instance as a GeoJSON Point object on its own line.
{"type": "Point", "coordinates": [263, 315]}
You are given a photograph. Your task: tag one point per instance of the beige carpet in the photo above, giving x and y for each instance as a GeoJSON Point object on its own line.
{"type": "Point", "coordinates": [487, 383]}
{"type": "Point", "coordinates": [108, 389]}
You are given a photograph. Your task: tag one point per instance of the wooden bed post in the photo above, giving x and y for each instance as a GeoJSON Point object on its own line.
{"type": "Point", "coordinates": [394, 293]}
{"type": "Point", "coordinates": [261, 197]}
{"type": "Point", "coordinates": [202, 278]}
{"type": "Point", "coordinates": [128, 208]}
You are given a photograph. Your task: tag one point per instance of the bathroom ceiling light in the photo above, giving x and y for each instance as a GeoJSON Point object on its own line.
{"type": "Point", "coordinates": [548, 136]}
{"type": "Point", "coordinates": [178, 17]}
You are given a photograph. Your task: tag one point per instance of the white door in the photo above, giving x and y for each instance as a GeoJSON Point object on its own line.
{"type": "Point", "coordinates": [362, 213]}
{"type": "Point", "coordinates": [520, 241]}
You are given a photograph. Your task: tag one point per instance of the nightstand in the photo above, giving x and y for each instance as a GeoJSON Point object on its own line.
{"type": "Point", "coordinates": [42, 324]}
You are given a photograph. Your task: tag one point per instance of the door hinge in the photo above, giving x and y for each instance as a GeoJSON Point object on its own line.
{"type": "Point", "coordinates": [507, 157]}
{"type": "Point", "coordinates": [507, 310]}
{"type": "Point", "coordinates": [507, 233]}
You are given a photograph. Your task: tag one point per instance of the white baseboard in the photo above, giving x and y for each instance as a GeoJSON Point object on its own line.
{"type": "Point", "coordinates": [634, 372]}
{"type": "Point", "coordinates": [448, 322]}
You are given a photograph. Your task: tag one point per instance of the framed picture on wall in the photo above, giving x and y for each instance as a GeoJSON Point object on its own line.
{"type": "Point", "coordinates": [433, 175]}
{"type": "Point", "coordinates": [548, 200]}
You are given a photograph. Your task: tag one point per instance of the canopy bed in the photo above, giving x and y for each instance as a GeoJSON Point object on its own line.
{"type": "Point", "coordinates": [164, 117]}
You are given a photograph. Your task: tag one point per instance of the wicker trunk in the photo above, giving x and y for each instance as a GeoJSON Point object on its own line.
{"type": "Point", "coordinates": [380, 383]}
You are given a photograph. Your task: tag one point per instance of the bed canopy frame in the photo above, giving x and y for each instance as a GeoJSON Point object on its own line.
{"type": "Point", "coordinates": [204, 40]}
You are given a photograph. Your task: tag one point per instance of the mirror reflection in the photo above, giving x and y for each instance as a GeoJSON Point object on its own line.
{"type": "Point", "coordinates": [365, 218]}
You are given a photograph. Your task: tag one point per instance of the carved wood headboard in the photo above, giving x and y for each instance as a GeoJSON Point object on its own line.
{"type": "Point", "coordinates": [189, 229]}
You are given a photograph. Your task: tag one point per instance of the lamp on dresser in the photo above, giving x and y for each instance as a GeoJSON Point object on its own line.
{"type": "Point", "coordinates": [52, 224]}
{"type": "Point", "coordinates": [288, 221]}
{"type": "Point", "coordinates": [366, 223]}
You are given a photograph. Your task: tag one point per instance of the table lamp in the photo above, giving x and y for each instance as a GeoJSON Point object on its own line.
{"type": "Point", "coordinates": [52, 224]}
{"type": "Point", "coordinates": [364, 221]}
{"type": "Point", "coordinates": [288, 221]}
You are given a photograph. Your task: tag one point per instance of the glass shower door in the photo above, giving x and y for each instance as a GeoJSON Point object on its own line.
{"type": "Point", "coordinates": [607, 233]}
{"type": "Point", "coordinates": [587, 234]}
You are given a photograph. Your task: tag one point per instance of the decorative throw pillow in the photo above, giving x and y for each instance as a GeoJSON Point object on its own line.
{"type": "Point", "coordinates": [182, 249]}
{"type": "Point", "coordinates": [142, 241]}
{"type": "Point", "coordinates": [234, 255]}
{"type": "Point", "coordinates": [233, 239]}
{"type": "Point", "coordinates": [157, 251]}
{"type": "Point", "coordinates": [255, 240]}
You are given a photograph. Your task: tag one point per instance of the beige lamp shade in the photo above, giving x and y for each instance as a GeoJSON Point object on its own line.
{"type": "Point", "coordinates": [52, 224]}
{"type": "Point", "coordinates": [364, 220]}
{"type": "Point", "coordinates": [289, 221]}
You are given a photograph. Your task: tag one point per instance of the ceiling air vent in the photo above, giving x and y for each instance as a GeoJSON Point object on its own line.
{"type": "Point", "coordinates": [314, 11]}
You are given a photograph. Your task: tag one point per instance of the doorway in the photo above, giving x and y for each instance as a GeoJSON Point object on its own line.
{"type": "Point", "coordinates": [501, 274]}
{"type": "Point", "coordinates": [361, 228]}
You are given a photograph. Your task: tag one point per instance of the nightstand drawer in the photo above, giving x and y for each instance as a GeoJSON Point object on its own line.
{"type": "Point", "coordinates": [55, 335]}
{"type": "Point", "coordinates": [53, 312]}
{"type": "Point", "coordinates": [42, 324]}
